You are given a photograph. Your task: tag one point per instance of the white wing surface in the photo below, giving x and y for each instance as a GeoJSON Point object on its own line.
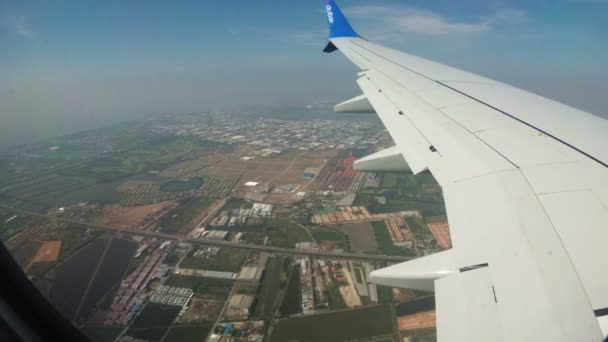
{"type": "Point", "coordinates": [525, 181]}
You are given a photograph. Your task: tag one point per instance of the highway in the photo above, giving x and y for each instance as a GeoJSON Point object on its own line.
{"type": "Point", "coordinates": [220, 243]}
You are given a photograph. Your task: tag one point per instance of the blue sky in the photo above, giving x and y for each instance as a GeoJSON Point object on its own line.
{"type": "Point", "coordinates": [72, 64]}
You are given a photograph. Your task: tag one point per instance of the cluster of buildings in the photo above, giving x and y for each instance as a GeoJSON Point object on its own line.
{"type": "Point", "coordinates": [131, 295]}
{"type": "Point", "coordinates": [215, 234]}
{"type": "Point", "coordinates": [206, 252]}
{"type": "Point", "coordinates": [205, 273]}
{"type": "Point", "coordinates": [170, 295]}
{"type": "Point", "coordinates": [234, 217]}
{"type": "Point", "coordinates": [441, 232]}
{"type": "Point", "coordinates": [399, 230]}
{"type": "Point", "coordinates": [273, 136]}
{"type": "Point", "coordinates": [252, 331]}
{"type": "Point", "coordinates": [344, 215]}
{"type": "Point", "coordinates": [308, 301]}
{"type": "Point", "coordinates": [238, 306]}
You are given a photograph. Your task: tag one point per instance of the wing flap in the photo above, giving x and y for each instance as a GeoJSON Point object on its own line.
{"type": "Point", "coordinates": [466, 308]}
{"type": "Point", "coordinates": [428, 136]}
{"type": "Point", "coordinates": [580, 220]}
{"type": "Point", "coordinates": [498, 220]}
{"type": "Point", "coordinates": [412, 144]}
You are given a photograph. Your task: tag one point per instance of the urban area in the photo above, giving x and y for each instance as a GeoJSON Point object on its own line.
{"type": "Point", "coordinates": [222, 227]}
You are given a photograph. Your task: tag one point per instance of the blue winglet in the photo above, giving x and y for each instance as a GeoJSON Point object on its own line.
{"type": "Point", "coordinates": [338, 25]}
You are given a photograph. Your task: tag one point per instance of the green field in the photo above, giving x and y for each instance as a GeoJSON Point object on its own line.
{"type": "Point", "coordinates": [418, 227]}
{"type": "Point", "coordinates": [237, 203]}
{"type": "Point", "coordinates": [284, 233]}
{"type": "Point", "coordinates": [385, 243]}
{"type": "Point", "coordinates": [427, 336]}
{"type": "Point", "coordinates": [152, 323]}
{"type": "Point", "coordinates": [269, 287]}
{"type": "Point", "coordinates": [328, 235]}
{"type": "Point", "coordinates": [14, 226]}
{"type": "Point", "coordinates": [229, 260]}
{"type": "Point", "coordinates": [179, 218]}
{"type": "Point", "coordinates": [24, 253]}
{"type": "Point", "coordinates": [336, 326]}
{"type": "Point", "coordinates": [385, 295]}
{"type": "Point", "coordinates": [281, 232]}
{"type": "Point", "coordinates": [217, 289]}
{"type": "Point", "coordinates": [405, 192]}
{"type": "Point", "coordinates": [390, 180]}
{"type": "Point", "coordinates": [102, 334]}
{"type": "Point", "coordinates": [181, 185]}
{"type": "Point", "coordinates": [195, 333]}
{"type": "Point", "coordinates": [73, 238]}
{"type": "Point", "coordinates": [141, 153]}
{"type": "Point", "coordinates": [336, 302]}
{"type": "Point", "coordinates": [292, 299]}
{"type": "Point", "coordinates": [435, 219]}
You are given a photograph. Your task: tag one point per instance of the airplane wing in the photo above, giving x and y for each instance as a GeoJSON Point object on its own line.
{"type": "Point", "coordinates": [525, 182]}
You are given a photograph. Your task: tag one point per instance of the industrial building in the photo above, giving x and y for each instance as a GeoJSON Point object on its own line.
{"type": "Point", "coordinates": [261, 209]}
{"type": "Point", "coordinates": [253, 273]}
{"type": "Point", "coordinates": [238, 306]}
{"type": "Point", "coordinates": [286, 188]}
{"type": "Point", "coordinates": [216, 235]}
{"type": "Point", "coordinates": [310, 173]}
{"type": "Point", "coordinates": [204, 273]}
{"type": "Point", "coordinates": [238, 216]}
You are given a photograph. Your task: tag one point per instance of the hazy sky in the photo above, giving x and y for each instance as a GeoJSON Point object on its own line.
{"type": "Point", "coordinates": [66, 65]}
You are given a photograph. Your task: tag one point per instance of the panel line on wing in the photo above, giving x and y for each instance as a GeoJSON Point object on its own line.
{"type": "Point", "coordinates": [529, 125]}
{"type": "Point", "coordinates": [486, 104]}
{"type": "Point", "coordinates": [391, 61]}
{"type": "Point", "coordinates": [559, 237]}
{"type": "Point", "coordinates": [400, 110]}
{"type": "Point", "coordinates": [444, 115]}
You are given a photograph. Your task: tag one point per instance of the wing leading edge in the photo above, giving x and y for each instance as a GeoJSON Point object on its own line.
{"type": "Point", "coordinates": [525, 182]}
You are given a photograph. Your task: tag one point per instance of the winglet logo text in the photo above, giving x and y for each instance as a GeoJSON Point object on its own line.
{"type": "Point", "coordinates": [330, 13]}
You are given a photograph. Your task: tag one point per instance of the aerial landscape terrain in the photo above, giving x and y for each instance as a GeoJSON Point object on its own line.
{"type": "Point", "coordinates": [222, 227]}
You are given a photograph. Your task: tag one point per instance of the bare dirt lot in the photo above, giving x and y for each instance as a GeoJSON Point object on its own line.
{"type": "Point", "coordinates": [280, 199]}
{"type": "Point", "coordinates": [125, 217]}
{"type": "Point", "coordinates": [202, 310]}
{"type": "Point", "coordinates": [283, 169]}
{"type": "Point", "coordinates": [49, 252]}
{"type": "Point", "coordinates": [361, 236]}
{"type": "Point", "coordinates": [348, 292]}
{"type": "Point", "coordinates": [423, 320]}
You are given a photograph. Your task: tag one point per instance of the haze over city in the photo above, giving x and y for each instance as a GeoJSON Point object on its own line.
{"type": "Point", "coordinates": [202, 171]}
{"type": "Point", "coordinates": [71, 65]}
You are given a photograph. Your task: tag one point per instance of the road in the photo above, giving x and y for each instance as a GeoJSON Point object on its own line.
{"type": "Point", "coordinates": [219, 243]}
{"type": "Point", "coordinates": [308, 231]}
